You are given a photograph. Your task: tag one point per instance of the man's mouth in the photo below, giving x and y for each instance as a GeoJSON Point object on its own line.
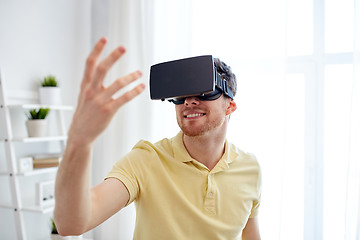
{"type": "Point", "coordinates": [193, 115]}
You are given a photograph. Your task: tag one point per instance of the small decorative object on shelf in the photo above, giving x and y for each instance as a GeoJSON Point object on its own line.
{"type": "Point", "coordinates": [49, 92]}
{"type": "Point", "coordinates": [25, 164]}
{"type": "Point", "coordinates": [37, 124]}
{"type": "Point", "coordinates": [45, 193]}
{"type": "Point", "coordinates": [46, 160]}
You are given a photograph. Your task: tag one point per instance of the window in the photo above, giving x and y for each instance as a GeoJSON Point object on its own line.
{"type": "Point", "coordinates": [294, 63]}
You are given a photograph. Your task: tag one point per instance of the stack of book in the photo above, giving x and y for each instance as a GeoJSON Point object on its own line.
{"type": "Point", "coordinates": [46, 160]}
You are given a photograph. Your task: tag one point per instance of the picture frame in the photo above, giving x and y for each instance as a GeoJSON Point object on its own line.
{"type": "Point", "coordinates": [45, 193]}
{"type": "Point", "coordinates": [25, 164]}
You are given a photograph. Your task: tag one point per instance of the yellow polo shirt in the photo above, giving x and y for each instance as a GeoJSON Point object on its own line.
{"type": "Point", "coordinates": [176, 197]}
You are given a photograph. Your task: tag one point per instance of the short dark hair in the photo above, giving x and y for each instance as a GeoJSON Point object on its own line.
{"type": "Point", "coordinates": [226, 72]}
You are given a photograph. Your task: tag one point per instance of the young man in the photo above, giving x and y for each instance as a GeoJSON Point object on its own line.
{"type": "Point", "coordinates": [193, 186]}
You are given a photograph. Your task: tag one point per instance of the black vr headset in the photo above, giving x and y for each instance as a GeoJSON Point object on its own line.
{"type": "Point", "coordinates": [179, 79]}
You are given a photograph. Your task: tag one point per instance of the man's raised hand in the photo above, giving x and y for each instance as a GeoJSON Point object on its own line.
{"type": "Point", "coordinates": [96, 104]}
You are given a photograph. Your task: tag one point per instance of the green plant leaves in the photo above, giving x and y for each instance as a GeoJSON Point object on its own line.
{"type": "Point", "coordinates": [49, 81]}
{"type": "Point", "coordinates": [53, 227]}
{"type": "Point", "coordinates": [38, 114]}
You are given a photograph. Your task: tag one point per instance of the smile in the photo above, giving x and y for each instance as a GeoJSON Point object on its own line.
{"type": "Point", "coordinates": [194, 115]}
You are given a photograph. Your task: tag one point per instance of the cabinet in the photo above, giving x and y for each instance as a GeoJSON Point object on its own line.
{"type": "Point", "coordinates": [17, 146]}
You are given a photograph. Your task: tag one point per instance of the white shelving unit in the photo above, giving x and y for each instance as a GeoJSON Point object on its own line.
{"type": "Point", "coordinates": [11, 157]}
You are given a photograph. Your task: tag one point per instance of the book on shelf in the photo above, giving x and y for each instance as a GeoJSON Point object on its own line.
{"type": "Point", "coordinates": [46, 160]}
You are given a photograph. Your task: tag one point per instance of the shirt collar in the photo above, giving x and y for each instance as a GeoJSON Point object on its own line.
{"type": "Point", "coordinates": [181, 154]}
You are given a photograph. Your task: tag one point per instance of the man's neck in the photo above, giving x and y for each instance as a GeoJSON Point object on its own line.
{"type": "Point", "coordinates": [206, 149]}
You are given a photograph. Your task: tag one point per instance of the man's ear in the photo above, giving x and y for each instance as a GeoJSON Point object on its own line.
{"type": "Point", "coordinates": [231, 107]}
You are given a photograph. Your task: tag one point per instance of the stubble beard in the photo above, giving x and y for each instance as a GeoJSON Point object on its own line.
{"type": "Point", "coordinates": [198, 131]}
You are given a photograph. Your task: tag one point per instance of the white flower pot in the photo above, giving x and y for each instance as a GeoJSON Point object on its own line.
{"type": "Point", "coordinates": [56, 237]}
{"type": "Point", "coordinates": [59, 237]}
{"type": "Point", "coordinates": [37, 127]}
{"type": "Point", "coordinates": [50, 95]}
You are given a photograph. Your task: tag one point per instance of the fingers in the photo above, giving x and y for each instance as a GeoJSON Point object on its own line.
{"type": "Point", "coordinates": [126, 97]}
{"type": "Point", "coordinates": [122, 82]}
{"type": "Point", "coordinates": [92, 60]}
{"type": "Point", "coordinates": [95, 73]}
{"type": "Point", "coordinates": [105, 65]}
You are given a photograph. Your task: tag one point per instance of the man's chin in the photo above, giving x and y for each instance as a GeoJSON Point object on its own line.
{"type": "Point", "coordinates": [194, 132]}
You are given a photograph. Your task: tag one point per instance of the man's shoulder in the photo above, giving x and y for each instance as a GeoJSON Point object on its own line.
{"type": "Point", "coordinates": [240, 155]}
{"type": "Point", "coordinates": [162, 146]}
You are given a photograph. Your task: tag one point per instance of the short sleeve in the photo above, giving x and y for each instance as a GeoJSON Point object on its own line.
{"type": "Point", "coordinates": [131, 170]}
{"type": "Point", "coordinates": [256, 202]}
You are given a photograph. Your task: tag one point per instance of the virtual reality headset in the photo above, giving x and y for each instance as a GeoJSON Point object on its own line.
{"type": "Point", "coordinates": [179, 79]}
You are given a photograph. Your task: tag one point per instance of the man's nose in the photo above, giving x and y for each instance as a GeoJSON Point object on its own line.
{"type": "Point", "coordinates": [192, 101]}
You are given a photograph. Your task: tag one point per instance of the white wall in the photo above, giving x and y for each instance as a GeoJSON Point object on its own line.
{"type": "Point", "coordinates": [41, 37]}
{"type": "Point", "coordinates": [37, 38]}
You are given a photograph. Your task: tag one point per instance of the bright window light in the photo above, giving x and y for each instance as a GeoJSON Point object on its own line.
{"type": "Point", "coordinates": [293, 164]}
{"type": "Point", "coordinates": [299, 27]}
{"type": "Point", "coordinates": [337, 99]}
{"type": "Point", "coordinates": [339, 26]}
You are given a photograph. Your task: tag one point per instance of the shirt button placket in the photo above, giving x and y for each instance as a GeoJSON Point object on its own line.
{"type": "Point", "coordinates": [210, 196]}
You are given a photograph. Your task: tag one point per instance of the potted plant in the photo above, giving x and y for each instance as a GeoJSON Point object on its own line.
{"type": "Point", "coordinates": [55, 235]}
{"type": "Point", "coordinates": [49, 92]}
{"type": "Point", "coordinates": [36, 124]}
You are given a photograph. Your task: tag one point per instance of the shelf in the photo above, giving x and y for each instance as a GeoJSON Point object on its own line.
{"type": "Point", "coordinates": [32, 106]}
{"type": "Point", "coordinates": [38, 171]}
{"type": "Point", "coordinates": [6, 206]}
{"type": "Point", "coordinates": [3, 173]}
{"type": "Point", "coordinates": [40, 139]}
{"type": "Point", "coordinates": [39, 209]}
{"type": "Point", "coordinates": [23, 101]}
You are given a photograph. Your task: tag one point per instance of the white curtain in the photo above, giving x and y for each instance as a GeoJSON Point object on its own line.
{"type": "Point", "coordinates": [127, 23]}
{"type": "Point", "coordinates": [287, 95]}
{"type": "Point", "coordinates": [135, 24]}
{"type": "Point", "coordinates": [352, 218]}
